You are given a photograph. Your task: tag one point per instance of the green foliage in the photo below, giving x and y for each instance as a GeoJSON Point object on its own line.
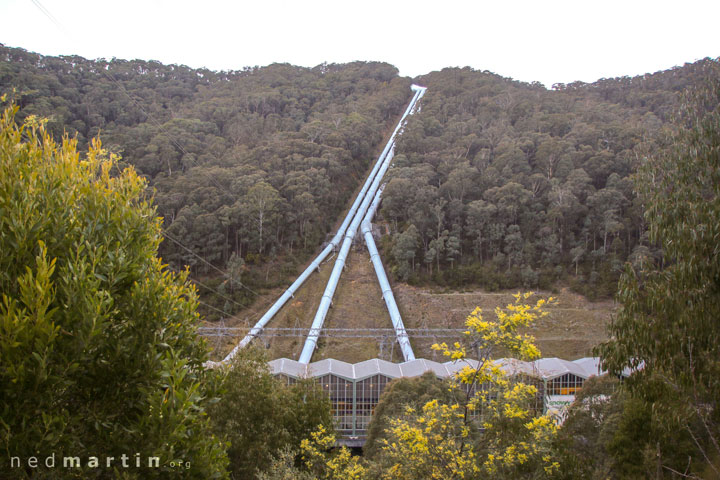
{"type": "Point", "coordinates": [326, 463]}
{"type": "Point", "coordinates": [667, 323]}
{"type": "Point", "coordinates": [261, 417]}
{"type": "Point", "coordinates": [595, 441]}
{"type": "Point", "coordinates": [320, 460]}
{"type": "Point", "coordinates": [404, 251]}
{"type": "Point", "coordinates": [258, 163]}
{"type": "Point", "coordinates": [282, 467]}
{"type": "Point", "coordinates": [98, 352]}
{"type": "Point", "coordinates": [524, 179]}
{"type": "Point", "coordinates": [493, 174]}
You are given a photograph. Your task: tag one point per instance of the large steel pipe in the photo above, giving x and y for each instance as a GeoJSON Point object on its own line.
{"type": "Point", "coordinates": [395, 318]}
{"type": "Point", "coordinates": [326, 300]}
{"type": "Point", "coordinates": [255, 331]}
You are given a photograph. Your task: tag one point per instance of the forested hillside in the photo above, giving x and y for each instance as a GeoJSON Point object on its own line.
{"type": "Point", "coordinates": [506, 184]}
{"type": "Point", "coordinates": [497, 183]}
{"type": "Point", "coordinates": [250, 169]}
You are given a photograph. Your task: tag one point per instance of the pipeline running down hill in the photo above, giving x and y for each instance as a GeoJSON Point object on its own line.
{"type": "Point", "coordinates": [352, 213]}
{"type": "Point", "coordinates": [326, 300]}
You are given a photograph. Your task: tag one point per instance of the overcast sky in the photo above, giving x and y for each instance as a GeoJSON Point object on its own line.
{"type": "Point", "coordinates": [545, 41]}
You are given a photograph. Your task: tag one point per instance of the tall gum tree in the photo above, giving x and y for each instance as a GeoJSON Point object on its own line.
{"type": "Point", "coordinates": [667, 325]}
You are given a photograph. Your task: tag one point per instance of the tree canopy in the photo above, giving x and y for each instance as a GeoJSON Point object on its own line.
{"type": "Point", "coordinates": [667, 326]}
{"type": "Point", "coordinates": [98, 352]}
{"type": "Point", "coordinates": [257, 163]}
{"type": "Point", "coordinates": [506, 184]}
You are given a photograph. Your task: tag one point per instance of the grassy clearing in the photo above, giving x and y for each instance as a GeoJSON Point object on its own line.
{"type": "Point", "coordinates": [571, 330]}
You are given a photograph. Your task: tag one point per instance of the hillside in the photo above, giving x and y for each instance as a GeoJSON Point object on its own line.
{"type": "Point", "coordinates": [252, 166]}
{"type": "Point", "coordinates": [497, 185]}
{"type": "Point", "coordinates": [571, 330]}
{"type": "Point", "coordinates": [508, 185]}
{"type": "Point", "coordinates": [605, 196]}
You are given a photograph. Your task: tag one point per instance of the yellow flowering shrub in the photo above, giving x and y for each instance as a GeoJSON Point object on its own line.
{"type": "Point", "coordinates": [340, 465]}
{"type": "Point", "coordinates": [494, 430]}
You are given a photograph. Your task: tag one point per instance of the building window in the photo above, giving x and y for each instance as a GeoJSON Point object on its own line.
{"type": "Point", "coordinates": [341, 397]}
{"type": "Point", "coordinates": [367, 395]}
{"type": "Point", "coordinates": [567, 384]}
{"type": "Point", "coordinates": [286, 379]}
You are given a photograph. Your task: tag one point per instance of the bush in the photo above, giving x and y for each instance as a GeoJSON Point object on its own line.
{"type": "Point", "coordinates": [98, 352]}
{"type": "Point", "coordinates": [261, 417]}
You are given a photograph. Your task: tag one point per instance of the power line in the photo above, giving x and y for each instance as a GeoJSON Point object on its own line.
{"type": "Point", "coordinates": [217, 310]}
{"type": "Point", "coordinates": [166, 234]}
{"type": "Point", "coordinates": [162, 129]}
{"type": "Point", "coordinates": [253, 311]}
{"type": "Point", "coordinates": [224, 274]}
{"type": "Point", "coordinates": [51, 17]}
{"type": "Point", "coordinates": [332, 332]}
{"type": "Point", "coordinates": [217, 293]}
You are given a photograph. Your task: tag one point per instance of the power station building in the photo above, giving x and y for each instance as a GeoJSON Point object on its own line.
{"type": "Point", "coordinates": [355, 389]}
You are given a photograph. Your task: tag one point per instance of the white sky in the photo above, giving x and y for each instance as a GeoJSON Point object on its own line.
{"type": "Point", "coordinates": [545, 41]}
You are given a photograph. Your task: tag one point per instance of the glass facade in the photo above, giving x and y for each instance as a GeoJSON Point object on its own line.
{"type": "Point", "coordinates": [287, 379]}
{"type": "Point", "coordinates": [539, 401]}
{"type": "Point", "coordinates": [567, 384]}
{"type": "Point", "coordinates": [367, 396]}
{"type": "Point", "coordinates": [353, 403]}
{"type": "Point", "coordinates": [341, 397]}
{"type": "Point", "coordinates": [355, 390]}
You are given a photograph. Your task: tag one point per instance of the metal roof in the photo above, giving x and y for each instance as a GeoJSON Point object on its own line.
{"type": "Point", "coordinates": [592, 366]}
{"type": "Point", "coordinates": [545, 368]}
{"type": "Point", "coordinates": [332, 366]}
{"type": "Point", "coordinates": [553, 367]}
{"type": "Point", "coordinates": [285, 366]}
{"type": "Point", "coordinates": [513, 366]}
{"type": "Point", "coordinates": [417, 367]}
{"type": "Point", "coordinates": [376, 366]}
{"type": "Point", "coordinates": [455, 366]}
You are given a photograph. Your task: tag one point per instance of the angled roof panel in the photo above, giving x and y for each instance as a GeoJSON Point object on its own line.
{"type": "Point", "coordinates": [591, 365]}
{"type": "Point", "coordinates": [377, 366]}
{"type": "Point", "coordinates": [553, 367]}
{"type": "Point", "coordinates": [332, 366]}
{"type": "Point", "coordinates": [415, 368]}
{"type": "Point", "coordinates": [286, 366]}
{"type": "Point", "coordinates": [546, 368]}
{"type": "Point", "coordinates": [454, 366]}
{"type": "Point", "coordinates": [513, 366]}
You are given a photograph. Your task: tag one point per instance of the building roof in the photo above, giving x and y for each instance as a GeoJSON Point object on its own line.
{"type": "Point", "coordinates": [285, 366]}
{"type": "Point", "coordinates": [513, 366]}
{"type": "Point", "coordinates": [592, 366]}
{"type": "Point", "coordinates": [544, 368]}
{"type": "Point", "coordinates": [553, 367]}
{"type": "Point", "coordinates": [454, 366]}
{"type": "Point", "coordinates": [377, 366]}
{"type": "Point", "coordinates": [332, 366]}
{"type": "Point", "coordinates": [415, 368]}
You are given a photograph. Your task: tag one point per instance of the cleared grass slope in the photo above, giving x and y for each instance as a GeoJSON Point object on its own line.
{"type": "Point", "coordinates": [571, 330]}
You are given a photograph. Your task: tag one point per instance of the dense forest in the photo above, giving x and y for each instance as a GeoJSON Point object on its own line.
{"type": "Point", "coordinates": [506, 184]}
{"type": "Point", "coordinates": [496, 183]}
{"type": "Point", "coordinates": [250, 166]}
